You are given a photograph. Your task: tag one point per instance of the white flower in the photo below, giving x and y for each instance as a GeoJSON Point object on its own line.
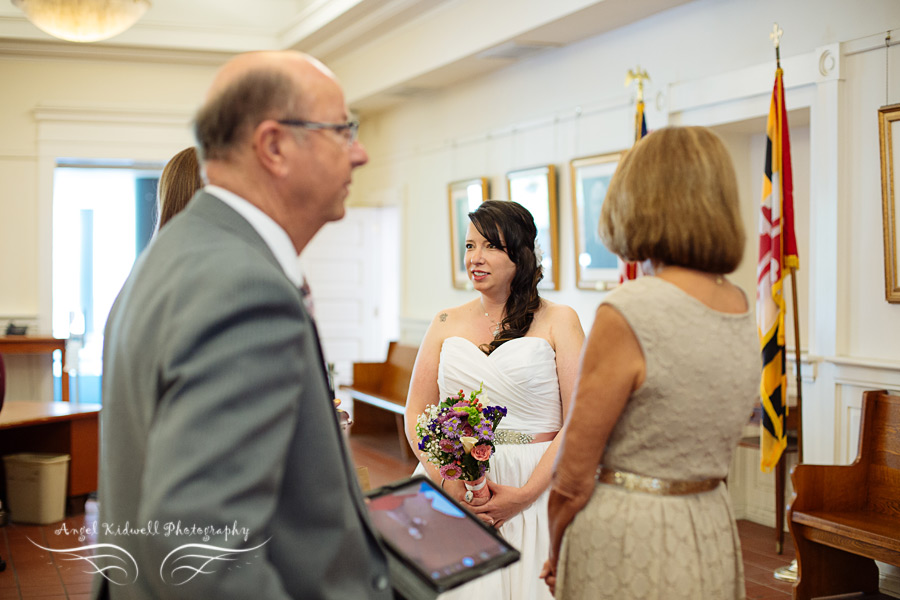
{"type": "Point", "coordinates": [538, 253]}
{"type": "Point", "coordinates": [468, 443]}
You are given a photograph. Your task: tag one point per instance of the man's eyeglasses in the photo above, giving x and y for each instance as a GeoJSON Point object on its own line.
{"type": "Point", "coordinates": [348, 130]}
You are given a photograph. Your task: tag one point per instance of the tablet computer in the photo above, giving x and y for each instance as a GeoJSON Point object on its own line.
{"type": "Point", "coordinates": [433, 543]}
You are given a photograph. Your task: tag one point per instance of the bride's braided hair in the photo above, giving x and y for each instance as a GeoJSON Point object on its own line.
{"type": "Point", "coordinates": [512, 221]}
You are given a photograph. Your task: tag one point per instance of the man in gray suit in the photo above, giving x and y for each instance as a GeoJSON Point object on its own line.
{"type": "Point", "coordinates": [222, 469]}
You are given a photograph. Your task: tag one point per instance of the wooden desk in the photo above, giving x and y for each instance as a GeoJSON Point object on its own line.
{"type": "Point", "coordinates": [32, 344]}
{"type": "Point", "coordinates": [57, 427]}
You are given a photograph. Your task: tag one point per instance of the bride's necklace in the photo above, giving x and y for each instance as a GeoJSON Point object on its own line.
{"type": "Point", "coordinates": [496, 324]}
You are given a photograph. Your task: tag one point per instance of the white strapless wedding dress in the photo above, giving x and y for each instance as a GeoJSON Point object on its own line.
{"type": "Point", "coordinates": [520, 375]}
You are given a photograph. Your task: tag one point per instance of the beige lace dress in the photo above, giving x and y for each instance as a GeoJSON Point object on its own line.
{"type": "Point", "coordinates": [702, 380]}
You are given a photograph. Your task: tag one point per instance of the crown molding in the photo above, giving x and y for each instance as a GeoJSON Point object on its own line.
{"type": "Point", "coordinates": [113, 114]}
{"type": "Point", "coordinates": [33, 49]}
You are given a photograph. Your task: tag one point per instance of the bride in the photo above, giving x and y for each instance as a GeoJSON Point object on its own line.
{"type": "Point", "coordinates": [525, 350]}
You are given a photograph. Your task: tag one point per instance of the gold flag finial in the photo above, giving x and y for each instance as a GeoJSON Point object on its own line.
{"type": "Point", "coordinates": [640, 76]}
{"type": "Point", "coordinates": [775, 36]}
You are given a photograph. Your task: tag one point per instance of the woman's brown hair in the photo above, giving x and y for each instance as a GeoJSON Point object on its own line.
{"type": "Point", "coordinates": [674, 200]}
{"type": "Point", "coordinates": [502, 221]}
{"type": "Point", "coordinates": [179, 180]}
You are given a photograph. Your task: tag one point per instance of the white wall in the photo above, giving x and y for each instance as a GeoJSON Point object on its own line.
{"type": "Point", "coordinates": [32, 83]}
{"type": "Point", "coordinates": [526, 115]}
{"type": "Point", "coordinates": [61, 107]}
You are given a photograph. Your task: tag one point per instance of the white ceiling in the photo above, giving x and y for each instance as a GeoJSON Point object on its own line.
{"type": "Point", "coordinates": [405, 42]}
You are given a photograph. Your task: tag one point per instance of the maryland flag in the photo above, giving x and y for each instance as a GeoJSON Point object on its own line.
{"type": "Point", "coordinates": [632, 270]}
{"type": "Point", "coordinates": [777, 252]}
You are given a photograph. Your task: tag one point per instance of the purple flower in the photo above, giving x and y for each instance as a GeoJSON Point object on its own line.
{"type": "Point", "coordinates": [453, 427]}
{"type": "Point", "coordinates": [424, 441]}
{"type": "Point", "coordinates": [451, 471]}
{"type": "Point", "coordinates": [493, 413]}
{"type": "Point", "coordinates": [460, 414]}
{"type": "Point", "coordinates": [484, 430]}
{"type": "Point", "coordinates": [449, 446]}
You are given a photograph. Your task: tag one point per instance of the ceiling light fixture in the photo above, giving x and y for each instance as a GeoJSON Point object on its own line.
{"type": "Point", "coordinates": [83, 20]}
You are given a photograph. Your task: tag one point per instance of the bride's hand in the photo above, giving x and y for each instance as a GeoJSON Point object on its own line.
{"type": "Point", "coordinates": [505, 502]}
{"type": "Point", "coordinates": [476, 501]}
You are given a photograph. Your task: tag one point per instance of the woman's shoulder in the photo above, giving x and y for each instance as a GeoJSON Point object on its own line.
{"type": "Point", "coordinates": [450, 322]}
{"type": "Point", "coordinates": [455, 314]}
{"type": "Point", "coordinates": [557, 313]}
{"type": "Point", "coordinates": [558, 321]}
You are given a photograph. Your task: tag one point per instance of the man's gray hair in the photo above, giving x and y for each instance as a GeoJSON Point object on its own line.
{"type": "Point", "coordinates": [226, 118]}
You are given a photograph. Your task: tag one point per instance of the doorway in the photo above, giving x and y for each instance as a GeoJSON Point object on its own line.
{"type": "Point", "coordinates": [104, 213]}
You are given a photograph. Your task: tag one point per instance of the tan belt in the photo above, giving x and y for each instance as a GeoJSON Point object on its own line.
{"type": "Point", "coordinates": [506, 436]}
{"type": "Point", "coordinates": [654, 485]}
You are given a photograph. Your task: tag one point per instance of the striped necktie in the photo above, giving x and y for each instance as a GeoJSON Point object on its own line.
{"type": "Point", "coordinates": [306, 294]}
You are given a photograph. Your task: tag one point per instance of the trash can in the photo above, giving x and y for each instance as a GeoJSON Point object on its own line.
{"type": "Point", "coordinates": [36, 487]}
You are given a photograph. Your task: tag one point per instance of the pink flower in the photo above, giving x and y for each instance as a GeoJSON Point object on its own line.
{"type": "Point", "coordinates": [449, 446]}
{"type": "Point", "coordinates": [451, 471]}
{"type": "Point", "coordinates": [482, 452]}
{"type": "Point", "coordinates": [467, 430]}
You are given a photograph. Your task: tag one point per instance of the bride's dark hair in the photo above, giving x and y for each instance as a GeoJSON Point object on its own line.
{"type": "Point", "coordinates": [498, 221]}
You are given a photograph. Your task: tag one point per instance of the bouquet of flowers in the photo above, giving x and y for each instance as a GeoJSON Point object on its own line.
{"type": "Point", "coordinates": [457, 436]}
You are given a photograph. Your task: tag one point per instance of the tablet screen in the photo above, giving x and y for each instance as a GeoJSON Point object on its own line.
{"type": "Point", "coordinates": [444, 544]}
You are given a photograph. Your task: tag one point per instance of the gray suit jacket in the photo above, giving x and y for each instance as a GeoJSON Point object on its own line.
{"type": "Point", "coordinates": [218, 429]}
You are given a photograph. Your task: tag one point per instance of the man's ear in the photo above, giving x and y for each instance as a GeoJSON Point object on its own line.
{"type": "Point", "coordinates": [269, 146]}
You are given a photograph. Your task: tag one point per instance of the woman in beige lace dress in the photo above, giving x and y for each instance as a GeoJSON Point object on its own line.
{"type": "Point", "coordinates": [668, 379]}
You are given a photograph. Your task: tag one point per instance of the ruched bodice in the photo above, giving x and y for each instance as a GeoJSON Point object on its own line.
{"type": "Point", "coordinates": [520, 375]}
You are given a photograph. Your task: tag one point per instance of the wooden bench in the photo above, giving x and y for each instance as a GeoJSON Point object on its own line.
{"type": "Point", "coordinates": [379, 394]}
{"type": "Point", "coordinates": [844, 518]}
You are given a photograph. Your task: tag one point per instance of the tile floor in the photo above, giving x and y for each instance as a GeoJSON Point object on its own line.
{"type": "Point", "coordinates": [33, 574]}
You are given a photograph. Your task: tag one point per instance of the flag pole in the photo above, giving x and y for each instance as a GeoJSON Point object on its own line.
{"type": "Point", "coordinates": [789, 573]}
{"type": "Point", "coordinates": [632, 270]}
{"type": "Point", "coordinates": [797, 358]}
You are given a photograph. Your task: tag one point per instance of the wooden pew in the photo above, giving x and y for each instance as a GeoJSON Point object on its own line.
{"type": "Point", "coordinates": [379, 394]}
{"type": "Point", "coordinates": [844, 518]}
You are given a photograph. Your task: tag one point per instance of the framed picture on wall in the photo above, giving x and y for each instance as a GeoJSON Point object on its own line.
{"type": "Point", "coordinates": [535, 189]}
{"type": "Point", "coordinates": [596, 268]}
{"type": "Point", "coordinates": [889, 134]}
{"type": "Point", "coordinates": [464, 196]}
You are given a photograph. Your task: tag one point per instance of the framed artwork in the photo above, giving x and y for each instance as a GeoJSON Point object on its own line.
{"type": "Point", "coordinates": [889, 135]}
{"type": "Point", "coordinates": [596, 268]}
{"type": "Point", "coordinates": [535, 189]}
{"type": "Point", "coordinates": [464, 196]}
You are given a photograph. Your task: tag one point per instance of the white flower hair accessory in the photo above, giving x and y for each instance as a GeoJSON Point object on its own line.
{"type": "Point", "coordinates": [538, 254]}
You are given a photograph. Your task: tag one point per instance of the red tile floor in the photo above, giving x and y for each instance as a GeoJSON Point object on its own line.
{"type": "Point", "coordinates": [32, 573]}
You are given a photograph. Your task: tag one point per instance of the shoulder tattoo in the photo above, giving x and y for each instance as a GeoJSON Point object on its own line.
{"type": "Point", "coordinates": [443, 317]}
